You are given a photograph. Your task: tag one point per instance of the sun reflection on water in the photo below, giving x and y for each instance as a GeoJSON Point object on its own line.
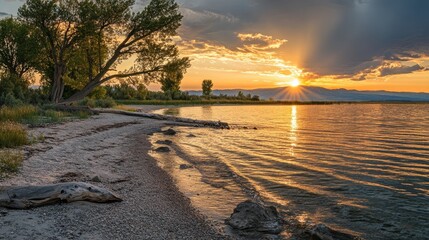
{"type": "Point", "coordinates": [293, 129]}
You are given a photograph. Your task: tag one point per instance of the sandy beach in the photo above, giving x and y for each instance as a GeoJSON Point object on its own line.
{"type": "Point", "coordinates": [111, 151]}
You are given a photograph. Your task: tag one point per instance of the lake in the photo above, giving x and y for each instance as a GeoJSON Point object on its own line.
{"type": "Point", "coordinates": [360, 168]}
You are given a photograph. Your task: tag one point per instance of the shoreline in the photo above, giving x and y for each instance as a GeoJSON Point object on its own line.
{"type": "Point", "coordinates": [110, 151]}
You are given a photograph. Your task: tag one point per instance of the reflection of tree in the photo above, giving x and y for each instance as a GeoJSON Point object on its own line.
{"type": "Point", "coordinates": [207, 112]}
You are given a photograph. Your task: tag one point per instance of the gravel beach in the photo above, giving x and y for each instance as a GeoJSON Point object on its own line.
{"type": "Point", "coordinates": [110, 151]}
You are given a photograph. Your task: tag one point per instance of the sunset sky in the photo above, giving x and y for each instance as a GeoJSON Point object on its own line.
{"type": "Point", "coordinates": [352, 44]}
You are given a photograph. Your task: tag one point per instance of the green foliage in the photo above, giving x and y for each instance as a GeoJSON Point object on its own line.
{"type": "Point", "coordinates": [84, 42]}
{"type": "Point", "coordinates": [170, 83]}
{"type": "Point", "coordinates": [107, 102]}
{"type": "Point", "coordinates": [10, 161]}
{"type": "Point", "coordinates": [207, 86]}
{"type": "Point", "coordinates": [13, 90]}
{"type": "Point", "coordinates": [98, 93]}
{"type": "Point", "coordinates": [19, 47]}
{"type": "Point", "coordinates": [12, 135]}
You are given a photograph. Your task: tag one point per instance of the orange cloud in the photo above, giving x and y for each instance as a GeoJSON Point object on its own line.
{"type": "Point", "coordinates": [255, 56]}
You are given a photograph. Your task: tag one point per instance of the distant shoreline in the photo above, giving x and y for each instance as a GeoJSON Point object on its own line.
{"type": "Point", "coordinates": [263, 102]}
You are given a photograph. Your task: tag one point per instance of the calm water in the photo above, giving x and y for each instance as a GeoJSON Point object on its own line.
{"type": "Point", "coordinates": [363, 168]}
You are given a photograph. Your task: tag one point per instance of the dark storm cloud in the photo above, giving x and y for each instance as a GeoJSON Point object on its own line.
{"type": "Point", "coordinates": [326, 37]}
{"type": "Point", "coordinates": [384, 71]}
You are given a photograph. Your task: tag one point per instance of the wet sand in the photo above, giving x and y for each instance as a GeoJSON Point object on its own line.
{"type": "Point", "coordinates": [110, 151]}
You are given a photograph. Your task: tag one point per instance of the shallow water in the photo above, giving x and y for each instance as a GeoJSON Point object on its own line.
{"type": "Point", "coordinates": [362, 168]}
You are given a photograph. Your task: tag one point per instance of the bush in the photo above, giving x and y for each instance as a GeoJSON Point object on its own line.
{"type": "Point", "coordinates": [10, 161]}
{"type": "Point", "coordinates": [98, 103]}
{"type": "Point", "coordinates": [105, 103]}
{"type": "Point", "coordinates": [13, 89]}
{"type": "Point", "coordinates": [89, 102]}
{"type": "Point", "coordinates": [12, 135]}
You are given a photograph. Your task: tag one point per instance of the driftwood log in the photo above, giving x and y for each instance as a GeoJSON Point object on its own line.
{"type": "Point", "coordinates": [213, 124]}
{"type": "Point", "coordinates": [36, 196]}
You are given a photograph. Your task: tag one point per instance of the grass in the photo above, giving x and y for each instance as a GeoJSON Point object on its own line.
{"type": "Point", "coordinates": [124, 108]}
{"type": "Point", "coordinates": [12, 135]}
{"type": "Point", "coordinates": [18, 114]}
{"type": "Point", "coordinates": [10, 161]}
{"type": "Point", "coordinates": [36, 116]}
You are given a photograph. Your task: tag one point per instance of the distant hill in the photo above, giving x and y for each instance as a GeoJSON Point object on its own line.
{"type": "Point", "coordinates": [310, 94]}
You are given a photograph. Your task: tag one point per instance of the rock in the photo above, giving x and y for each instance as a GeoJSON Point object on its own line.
{"type": "Point", "coordinates": [164, 142]}
{"type": "Point", "coordinates": [322, 232]}
{"type": "Point", "coordinates": [163, 149]}
{"type": "Point", "coordinates": [255, 128]}
{"type": "Point", "coordinates": [253, 217]}
{"type": "Point", "coordinates": [170, 132]}
{"type": "Point", "coordinates": [185, 166]}
{"type": "Point", "coordinates": [191, 135]}
{"type": "Point", "coordinates": [96, 179]}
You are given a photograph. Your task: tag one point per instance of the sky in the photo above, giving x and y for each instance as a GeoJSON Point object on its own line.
{"type": "Point", "coordinates": [352, 44]}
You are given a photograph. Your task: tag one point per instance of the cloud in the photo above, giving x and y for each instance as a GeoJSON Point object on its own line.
{"type": "Point", "coordinates": [259, 41]}
{"type": "Point", "coordinates": [394, 69]}
{"type": "Point", "coordinates": [340, 38]}
{"type": "Point", "coordinates": [255, 56]}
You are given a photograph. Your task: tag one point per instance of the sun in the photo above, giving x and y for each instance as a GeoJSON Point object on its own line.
{"type": "Point", "coordinates": [295, 83]}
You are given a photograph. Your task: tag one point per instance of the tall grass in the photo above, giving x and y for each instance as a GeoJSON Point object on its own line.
{"type": "Point", "coordinates": [36, 116]}
{"type": "Point", "coordinates": [18, 113]}
{"type": "Point", "coordinates": [12, 135]}
{"type": "Point", "coordinates": [10, 161]}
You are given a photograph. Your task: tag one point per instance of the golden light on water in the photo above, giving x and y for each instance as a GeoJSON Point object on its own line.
{"type": "Point", "coordinates": [293, 129]}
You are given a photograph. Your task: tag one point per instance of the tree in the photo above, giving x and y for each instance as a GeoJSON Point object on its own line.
{"type": "Point", "coordinates": [116, 31]}
{"type": "Point", "coordinates": [240, 95]}
{"type": "Point", "coordinates": [19, 52]}
{"type": "Point", "coordinates": [170, 83]}
{"type": "Point", "coordinates": [207, 88]}
{"type": "Point", "coordinates": [18, 47]}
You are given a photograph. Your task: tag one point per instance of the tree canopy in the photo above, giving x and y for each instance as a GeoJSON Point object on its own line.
{"type": "Point", "coordinates": [88, 40]}
{"type": "Point", "coordinates": [19, 47]}
{"type": "Point", "coordinates": [207, 86]}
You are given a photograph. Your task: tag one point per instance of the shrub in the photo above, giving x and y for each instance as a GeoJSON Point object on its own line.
{"type": "Point", "coordinates": [87, 102]}
{"type": "Point", "coordinates": [10, 161]}
{"type": "Point", "coordinates": [105, 103]}
{"type": "Point", "coordinates": [98, 103]}
{"type": "Point", "coordinates": [12, 135]}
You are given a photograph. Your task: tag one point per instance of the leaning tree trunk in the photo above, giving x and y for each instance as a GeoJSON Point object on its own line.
{"type": "Point", "coordinates": [82, 93]}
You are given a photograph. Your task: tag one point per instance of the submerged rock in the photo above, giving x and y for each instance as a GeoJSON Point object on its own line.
{"type": "Point", "coordinates": [163, 149]}
{"type": "Point", "coordinates": [164, 142]}
{"type": "Point", "coordinates": [170, 132]}
{"type": "Point", "coordinates": [253, 217]}
{"type": "Point", "coordinates": [191, 135]}
{"type": "Point", "coordinates": [323, 232]}
{"type": "Point", "coordinates": [185, 166]}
